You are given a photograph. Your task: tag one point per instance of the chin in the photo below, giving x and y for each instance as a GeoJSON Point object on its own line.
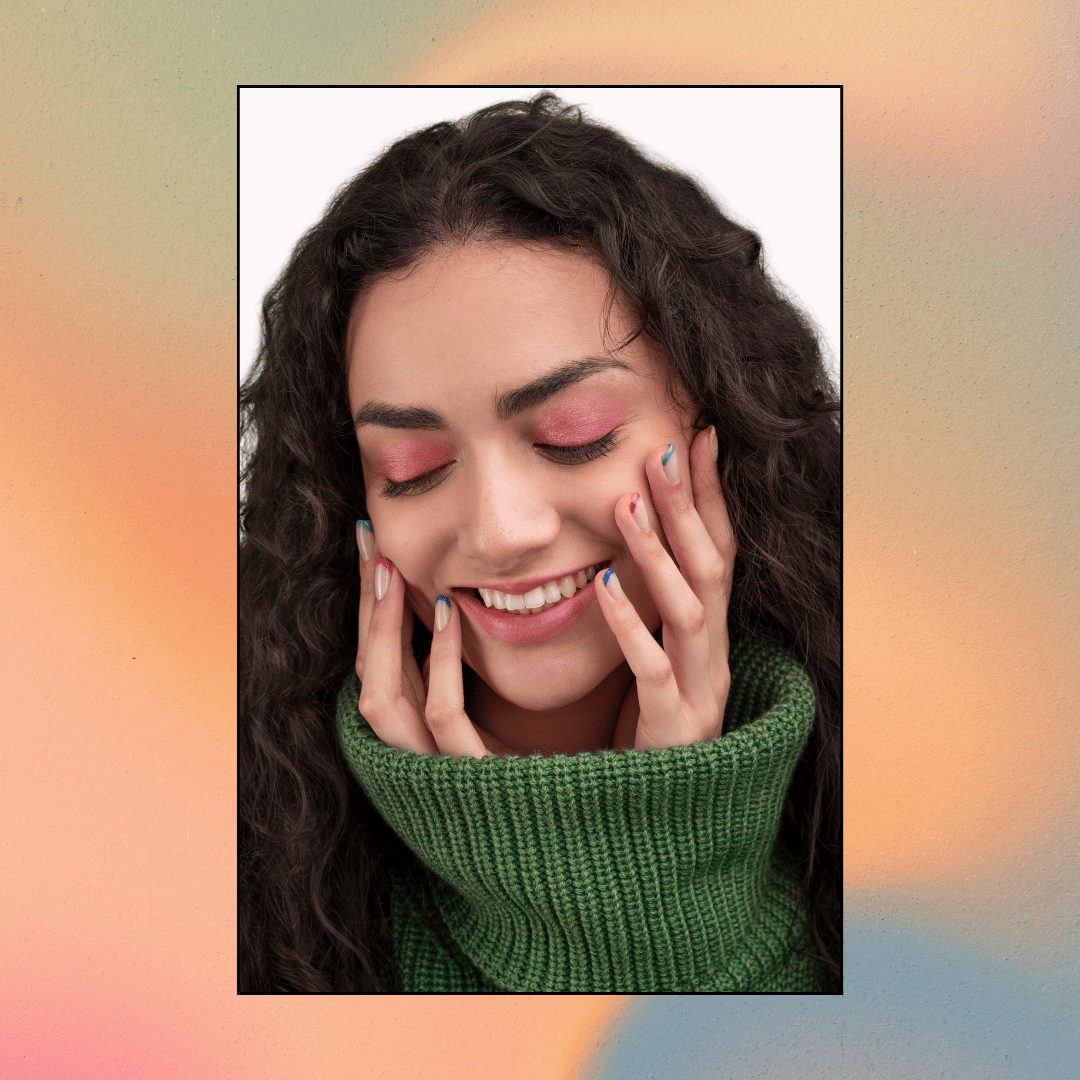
{"type": "Point", "coordinates": [541, 683]}
{"type": "Point", "coordinates": [541, 698]}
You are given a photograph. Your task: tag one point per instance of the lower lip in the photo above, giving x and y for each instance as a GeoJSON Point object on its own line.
{"type": "Point", "coordinates": [528, 629]}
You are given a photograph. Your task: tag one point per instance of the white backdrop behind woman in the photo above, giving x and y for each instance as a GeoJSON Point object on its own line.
{"type": "Point", "coordinates": [770, 156]}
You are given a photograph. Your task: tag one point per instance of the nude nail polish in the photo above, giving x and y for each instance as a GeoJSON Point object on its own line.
{"type": "Point", "coordinates": [670, 462]}
{"type": "Point", "coordinates": [611, 583]}
{"type": "Point", "coordinates": [383, 569]}
{"type": "Point", "coordinates": [442, 613]}
{"type": "Point", "coordinates": [714, 444]}
{"type": "Point", "coordinates": [365, 539]}
{"type": "Point", "coordinates": [638, 512]}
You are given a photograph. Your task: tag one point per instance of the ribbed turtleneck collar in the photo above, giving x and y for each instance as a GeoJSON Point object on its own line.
{"type": "Point", "coordinates": [617, 871]}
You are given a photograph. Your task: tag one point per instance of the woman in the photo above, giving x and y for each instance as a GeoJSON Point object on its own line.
{"type": "Point", "coordinates": [590, 735]}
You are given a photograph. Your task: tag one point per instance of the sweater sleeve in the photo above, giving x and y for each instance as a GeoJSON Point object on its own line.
{"type": "Point", "coordinates": [618, 871]}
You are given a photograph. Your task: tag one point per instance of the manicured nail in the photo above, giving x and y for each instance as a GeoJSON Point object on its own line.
{"type": "Point", "coordinates": [670, 461]}
{"type": "Point", "coordinates": [638, 512]}
{"type": "Point", "coordinates": [714, 444]}
{"type": "Point", "coordinates": [365, 539]}
{"type": "Point", "coordinates": [611, 583]}
{"type": "Point", "coordinates": [383, 570]}
{"type": "Point", "coordinates": [442, 613]}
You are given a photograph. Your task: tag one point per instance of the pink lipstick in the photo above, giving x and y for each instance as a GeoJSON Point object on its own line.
{"type": "Point", "coordinates": [527, 629]}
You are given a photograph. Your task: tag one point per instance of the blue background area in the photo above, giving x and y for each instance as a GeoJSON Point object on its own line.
{"type": "Point", "coordinates": [912, 1007]}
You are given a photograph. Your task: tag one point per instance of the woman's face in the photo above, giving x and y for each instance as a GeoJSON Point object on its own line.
{"type": "Point", "coordinates": [497, 431]}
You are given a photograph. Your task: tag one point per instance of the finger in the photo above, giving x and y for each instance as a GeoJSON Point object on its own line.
{"type": "Point", "coordinates": [382, 700]}
{"type": "Point", "coordinates": [445, 711]}
{"type": "Point", "coordinates": [706, 564]}
{"type": "Point", "coordinates": [705, 559]}
{"type": "Point", "coordinates": [686, 638]}
{"type": "Point", "coordinates": [708, 498]}
{"type": "Point", "coordinates": [712, 510]}
{"type": "Point", "coordinates": [369, 552]}
{"type": "Point", "coordinates": [660, 720]}
{"type": "Point", "coordinates": [412, 681]}
{"type": "Point", "coordinates": [365, 542]}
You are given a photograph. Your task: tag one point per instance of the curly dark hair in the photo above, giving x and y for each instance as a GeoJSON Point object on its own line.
{"type": "Point", "coordinates": [312, 911]}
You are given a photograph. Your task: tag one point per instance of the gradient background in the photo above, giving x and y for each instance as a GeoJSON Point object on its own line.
{"type": "Point", "coordinates": [117, 342]}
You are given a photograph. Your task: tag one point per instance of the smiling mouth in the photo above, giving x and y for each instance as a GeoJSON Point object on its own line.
{"type": "Point", "coordinates": [543, 597]}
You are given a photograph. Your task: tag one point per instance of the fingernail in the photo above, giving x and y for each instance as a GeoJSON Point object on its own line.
{"type": "Point", "coordinates": [638, 512]}
{"type": "Point", "coordinates": [670, 461]}
{"type": "Point", "coordinates": [383, 570]}
{"type": "Point", "coordinates": [442, 613]}
{"type": "Point", "coordinates": [611, 583]}
{"type": "Point", "coordinates": [714, 443]}
{"type": "Point", "coordinates": [365, 539]}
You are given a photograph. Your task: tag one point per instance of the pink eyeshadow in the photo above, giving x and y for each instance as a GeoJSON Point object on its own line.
{"type": "Point", "coordinates": [580, 421]}
{"type": "Point", "coordinates": [404, 461]}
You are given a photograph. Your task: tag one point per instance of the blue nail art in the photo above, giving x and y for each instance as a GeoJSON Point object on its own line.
{"type": "Point", "coordinates": [365, 524]}
{"type": "Point", "coordinates": [442, 613]}
{"type": "Point", "coordinates": [607, 573]}
{"type": "Point", "coordinates": [667, 453]}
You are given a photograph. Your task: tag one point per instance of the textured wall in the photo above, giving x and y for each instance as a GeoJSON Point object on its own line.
{"type": "Point", "coordinates": [117, 196]}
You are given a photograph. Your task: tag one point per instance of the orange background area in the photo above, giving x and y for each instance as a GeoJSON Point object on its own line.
{"type": "Point", "coordinates": [929, 85]}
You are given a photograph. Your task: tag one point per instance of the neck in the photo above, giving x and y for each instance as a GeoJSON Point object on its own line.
{"type": "Point", "coordinates": [584, 725]}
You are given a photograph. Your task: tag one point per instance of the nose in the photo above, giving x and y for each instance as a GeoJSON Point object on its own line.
{"type": "Point", "coordinates": [507, 513]}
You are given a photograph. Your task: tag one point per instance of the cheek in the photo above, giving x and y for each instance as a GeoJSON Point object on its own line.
{"type": "Point", "coordinates": [415, 560]}
{"type": "Point", "coordinates": [623, 475]}
{"type": "Point", "coordinates": [422, 607]}
{"type": "Point", "coordinates": [410, 541]}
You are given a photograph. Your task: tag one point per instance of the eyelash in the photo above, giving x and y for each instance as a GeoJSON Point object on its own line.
{"type": "Point", "coordinates": [393, 489]}
{"type": "Point", "coordinates": [579, 455]}
{"type": "Point", "coordinates": [562, 455]}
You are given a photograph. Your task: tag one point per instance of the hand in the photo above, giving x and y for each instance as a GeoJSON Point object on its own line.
{"type": "Point", "coordinates": [424, 714]}
{"type": "Point", "coordinates": [680, 688]}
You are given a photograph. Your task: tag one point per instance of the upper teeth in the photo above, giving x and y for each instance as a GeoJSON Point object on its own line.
{"type": "Point", "coordinates": [551, 592]}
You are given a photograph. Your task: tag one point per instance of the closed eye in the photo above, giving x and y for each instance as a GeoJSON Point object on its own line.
{"type": "Point", "coordinates": [563, 455]}
{"type": "Point", "coordinates": [417, 485]}
{"type": "Point", "coordinates": [578, 455]}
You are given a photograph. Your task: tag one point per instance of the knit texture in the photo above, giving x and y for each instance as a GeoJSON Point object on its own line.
{"type": "Point", "coordinates": [615, 872]}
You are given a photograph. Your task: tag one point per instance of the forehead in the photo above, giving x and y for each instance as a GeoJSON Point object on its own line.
{"type": "Point", "coordinates": [493, 311]}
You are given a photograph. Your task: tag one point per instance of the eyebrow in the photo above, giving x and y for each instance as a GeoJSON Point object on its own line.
{"type": "Point", "coordinates": [507, 405]}
{"type": "Point", "coordinates": [394, 416]}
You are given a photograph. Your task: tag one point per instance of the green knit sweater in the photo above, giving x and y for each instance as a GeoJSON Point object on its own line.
{"type": "Point", "coordinates": [616, 872]}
